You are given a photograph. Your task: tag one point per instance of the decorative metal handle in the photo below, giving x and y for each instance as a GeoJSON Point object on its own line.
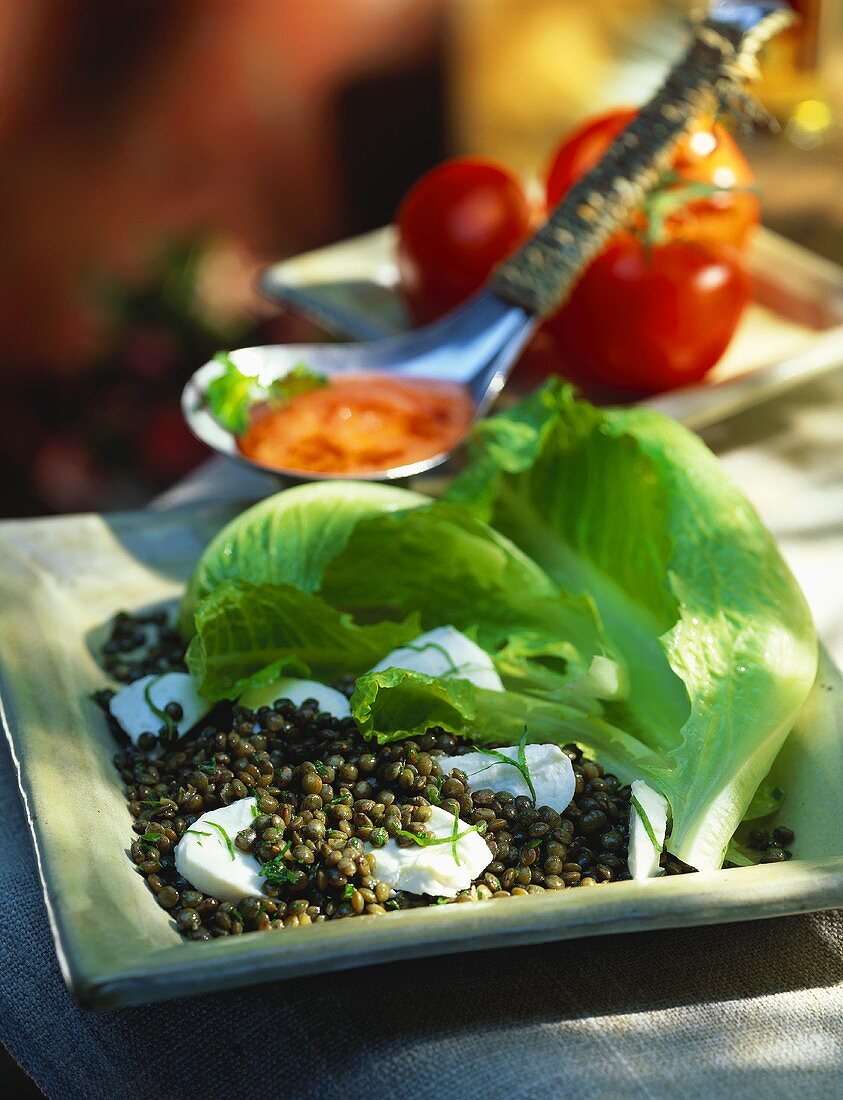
{"type": "Point", "coordinates": [541, 275]}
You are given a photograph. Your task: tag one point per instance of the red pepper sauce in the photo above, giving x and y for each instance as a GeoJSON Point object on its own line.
{"type": "Point", "coordinates": [360, 424]}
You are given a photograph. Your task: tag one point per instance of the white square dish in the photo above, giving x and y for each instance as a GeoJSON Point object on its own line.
{"type": "Point", "coordinates": [62, 579]}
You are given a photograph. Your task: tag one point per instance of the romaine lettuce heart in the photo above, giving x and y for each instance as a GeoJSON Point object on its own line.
{"type": "Point", "coordinates": [455, 570]}
{"type": "Point", "coordinates": [629, 507]}
{"type": "Point", "coordinates": [249, 635]}
{"type": "Point", "coordinates": [436, 561]}
{"type": "Point", "coordinates": [289, 537]}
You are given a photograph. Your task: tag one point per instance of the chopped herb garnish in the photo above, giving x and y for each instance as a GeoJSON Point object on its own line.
{"type": "Point", "coordinates": [348, 891]}
{"type": "Point", "coordinates": [534, 843]}
{"type": "Point", "coordinates": [169, 723]}
{"type": "Point", "coordinates": [276, 871]}
{"type": "Point", "coordinates": [449, 660]}
{"type": "Point", "coordinates": [225, 837]}
{"type": "Point", "coordinates": [256, 810]}
{"type": "Point", "coordinates": [231, 395]}
{"type": "Point", "coordinates": [210, 767]}
{"type": "Point", "coordinates": [298, 380]}
{"type": "Point", "coordinates": [149, 838]}
{"type": "Point", "coordinates": [520, 763]}
{"type": "Point", "coordinates": [197, 832]}
{"type": "Point", "coordinates": [523, 767]}
{"type": "Point", "coordinates": [639, 809]}
{"type": "Point", "coordinates": [425, 841]}
{"type": "Point", "coordinates": [455, 837]}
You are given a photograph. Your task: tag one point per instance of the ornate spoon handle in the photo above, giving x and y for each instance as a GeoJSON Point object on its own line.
{"type": "Point", "coordinates": [541, 275]}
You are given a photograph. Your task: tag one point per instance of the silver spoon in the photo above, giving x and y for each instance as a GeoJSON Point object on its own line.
{"type": "Point", "coordinates": [477, 344]}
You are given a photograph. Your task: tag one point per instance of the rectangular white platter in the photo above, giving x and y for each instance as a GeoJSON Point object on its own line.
{"type": "Point", "coordinates": [62, 579]}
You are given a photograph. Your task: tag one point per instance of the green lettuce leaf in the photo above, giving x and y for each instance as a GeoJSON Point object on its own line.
{"type": "Point", "coordinates": [288, 538]}
{"type": "Point", "coordinates": [381, 555]}
{"type": "Point", "coordinates": [767, 800]}
{"type": "Point", "coordinates": [396, 704]}
{"type": "Point", "coordinates": [231, 396]}
{"type": "Point", "coordinates": [716, 638]}
{"type": "Point", "coordinates": [248, 635]}
{"type": "Point", "coordinates": [453, 569]}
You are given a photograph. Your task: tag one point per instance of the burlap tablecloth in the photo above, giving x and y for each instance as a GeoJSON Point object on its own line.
{"type": "Point", "coordinates": [749, 1010]}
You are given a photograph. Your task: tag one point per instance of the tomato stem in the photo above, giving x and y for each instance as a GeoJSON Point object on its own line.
{"type": "Point", "coordinates": [673, 193]}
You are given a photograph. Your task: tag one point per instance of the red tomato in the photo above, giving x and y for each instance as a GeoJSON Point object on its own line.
{"type": "Point", "coordinates": [648, 319]}
{"type": "Point", "coordinates": [708, 154]}
{"type": "Point", "coordinates": [455, 225]}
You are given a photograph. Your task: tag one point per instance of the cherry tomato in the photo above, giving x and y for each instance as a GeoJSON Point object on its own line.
{"type": "Point", "coordinates": [708, 154]}
{"type": "Point", "coordinates": [455, 225]}
{"type": "Point", "coordinates": [644, 319]}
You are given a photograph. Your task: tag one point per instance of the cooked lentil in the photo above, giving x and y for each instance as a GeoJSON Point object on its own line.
{"type": "Point", "coordinates": [324, 794]}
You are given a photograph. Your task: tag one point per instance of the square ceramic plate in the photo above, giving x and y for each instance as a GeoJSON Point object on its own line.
{"type": "Point", "coordinates": [62, 579]}
{"type": "Point", "coordinates": [791, 332]}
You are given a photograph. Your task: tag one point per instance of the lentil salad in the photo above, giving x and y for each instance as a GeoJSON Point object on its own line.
{"type": "Point", "coordinates": [591, 585]}
{"type": "Point", "coordinates": [324, 795]}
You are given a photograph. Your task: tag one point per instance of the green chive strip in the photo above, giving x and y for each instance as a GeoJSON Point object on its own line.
{"type": "Point", "coordinates": [639, 809]}
{"type": "Point", "coordinates": [455, 835]}
{"type": "Point", "coordinates": [520, 763]}
{"type": "Point", "coordinates": [172, 728]}
{"type": "Point", "coordinates": [226, 837]}
{"type": "Point", "coordinates": [449, 660]}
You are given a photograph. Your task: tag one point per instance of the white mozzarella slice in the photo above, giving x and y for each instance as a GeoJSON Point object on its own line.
{"type": "Point", "coordinates": [643, 852]}
{"type": "Point", "coordinates": [445, 652]}
{"type": "Point", "coordinates": [208, 858]}
{"type": "Point", "coordinates": [550, 770]}
{"type": "Point", "coordinates": [329, 699]}
{"type": "Point", "coordinates": [132, 711]}
{"type": "Point", "coordinates": [431, 868]}
{"type": "Point", "coordinates": [605, 679]}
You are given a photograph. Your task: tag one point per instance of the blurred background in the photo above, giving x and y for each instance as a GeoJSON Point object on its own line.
{"type": "Point", "coordinates": [157, 152]}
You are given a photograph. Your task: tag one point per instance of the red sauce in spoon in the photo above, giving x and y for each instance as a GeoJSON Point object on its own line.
{"type": "Point", "coordinates": [360, 423]}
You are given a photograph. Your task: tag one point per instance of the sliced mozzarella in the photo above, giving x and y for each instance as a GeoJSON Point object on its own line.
{"type": "Point", "coordinates": [605, 679]}
{"type": "Point", "coordinates": [644, 854]}
{"type": "Point", "coordinates": [329, 700]}
{"type": "Point", "coordinates": [550, 770]}
{"type": "Point", "coordinates": [213, 864]}
{"type": "Point", "coordinates": [445, 652]}
{"type": "Point", "coordinates": [431, 868]}
{"type": "Point", "coordinates": [130, 706]}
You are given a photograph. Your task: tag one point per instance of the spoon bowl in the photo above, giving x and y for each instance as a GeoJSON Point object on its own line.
{"type": "Point", "coordinates": [475, 347]}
